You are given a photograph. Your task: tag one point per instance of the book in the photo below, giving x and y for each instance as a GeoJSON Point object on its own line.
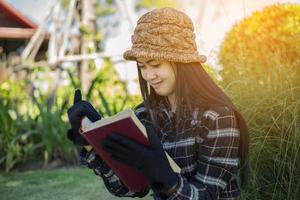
{"type": "Point", "coordinates": [126, 123]}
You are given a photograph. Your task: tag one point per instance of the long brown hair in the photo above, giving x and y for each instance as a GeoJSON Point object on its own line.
{"type": "Point", "coordinates": [197, 89]}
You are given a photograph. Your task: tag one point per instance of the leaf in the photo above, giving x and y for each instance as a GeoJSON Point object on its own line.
{"type": "Point", "coordinates": [105, 103]}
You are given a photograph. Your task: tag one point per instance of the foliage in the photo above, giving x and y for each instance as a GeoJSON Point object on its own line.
{"type": "Point", "coordinates": [105, 10]}
{"type": "Point", "coordinates": [155, 3]}
{"type": "Point", "coordinates": [113, 99]}
{"type": "Point", "coordinates": [32, 127]}
{"type": "Point", "coordinates": [261, 75]}
{"type": "Point", "coordinates": [211, 72]}
{"type": "Point", "coordinates": [107, 92]}
{"type": "Point", "coordinates": [259, 43]}
{"type": "Point", "coordinates": [7, 135]}
{"type": "Point", "coordinates": [13, 146]}
{"type": "Point", "coordinates": [34, 113]}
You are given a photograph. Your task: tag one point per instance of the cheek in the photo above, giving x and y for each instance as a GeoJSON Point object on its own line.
{"type": "Point", "coordinates": [173, 84]}
{"type": "Point", "coordinates": [143, 74]}
{"type": "Point", "coordinates": [169, 84]}
{"type": "Point", "coordinates": [172, 80]}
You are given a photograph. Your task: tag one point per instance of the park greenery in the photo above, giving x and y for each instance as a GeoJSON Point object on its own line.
{"type": "Point", "coordinates": [260, 72]}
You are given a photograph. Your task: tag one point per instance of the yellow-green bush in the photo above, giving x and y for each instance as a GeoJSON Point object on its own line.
{"type": "Point", "coordinates": [261, 73]}
{"type": "Point", "coordinates": [259, 43]}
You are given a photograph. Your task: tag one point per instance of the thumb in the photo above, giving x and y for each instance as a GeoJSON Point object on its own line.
{"type": "Point", "coordinates": [152, 136]}
{"type": "Point", "coordinates": [77, 96]}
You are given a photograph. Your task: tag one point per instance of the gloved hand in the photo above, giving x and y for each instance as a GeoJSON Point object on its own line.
{"type": "Point", "coordinates": [76, 113]}
{"type": "Point", "coordinates": [150, 161]}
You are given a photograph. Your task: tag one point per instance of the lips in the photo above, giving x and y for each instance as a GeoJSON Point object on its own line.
{"type": "Point", "coordinates": [156, 85]}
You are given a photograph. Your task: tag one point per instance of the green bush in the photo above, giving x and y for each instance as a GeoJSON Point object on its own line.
{"type": "Point", "coordinates": [32, 128]}
{"type": "Point", "coordinates": [10, 150]}
{"type": "Point", "coordinates": [34, 121]}
{"type": "Point", "coordinates": [260, 60]}
{"type": "Point", "coordinates": [259, 44]}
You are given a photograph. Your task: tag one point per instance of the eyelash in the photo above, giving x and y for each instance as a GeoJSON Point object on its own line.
{"type": "Point", "coordinates": [143, 66]}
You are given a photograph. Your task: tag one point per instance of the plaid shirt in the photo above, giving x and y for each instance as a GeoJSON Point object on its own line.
{"type": "Point", "coordinates": [203, 142]}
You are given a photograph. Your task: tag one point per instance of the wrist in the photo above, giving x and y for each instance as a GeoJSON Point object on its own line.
{"type": "Point", "coordinates": [171, 190]}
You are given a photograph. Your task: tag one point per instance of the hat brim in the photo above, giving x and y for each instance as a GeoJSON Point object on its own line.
{"type": "Point", "coordinates": [133, 54]}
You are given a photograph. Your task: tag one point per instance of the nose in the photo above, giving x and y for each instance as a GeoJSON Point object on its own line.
{"type": "Point", "coordinates": [150, 74]}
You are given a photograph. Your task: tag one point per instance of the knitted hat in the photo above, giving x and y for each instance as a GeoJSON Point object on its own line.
{"type": "Point", "coordinates": [164, 34]}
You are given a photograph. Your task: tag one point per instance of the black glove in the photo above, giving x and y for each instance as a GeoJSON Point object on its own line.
{"type": "Point", "coordinates": [76, 113]}
{"type": "Point", "coordinates": [150, 161]}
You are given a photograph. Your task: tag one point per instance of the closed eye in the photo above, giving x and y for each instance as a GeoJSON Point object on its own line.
{"type": "Point", "coordinates": [156, 66]}
{"type": "Point", "coordinates": [140, 65]}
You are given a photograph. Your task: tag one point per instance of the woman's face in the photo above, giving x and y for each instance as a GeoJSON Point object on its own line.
{"type": "Point", "coordinates": [159, 74]}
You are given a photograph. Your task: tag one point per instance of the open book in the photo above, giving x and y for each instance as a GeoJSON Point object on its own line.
{"type": "Point", "coordinates": [127, 124]}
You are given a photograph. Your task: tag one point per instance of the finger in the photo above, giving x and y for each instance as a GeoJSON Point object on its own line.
{"type": "Point", "coordinates": [152, 135]}
{"type": "Point", "coordinates": [77, 96]}
{"type": "Point", "coordinates": [90, 112]}
{"type": "Point", "coordinates": [116, 148]}
{"type": "Point", "coordinates": [121, 140]}
{"type": "Point", "coordinates": [118, 153]}
{"type": "Point", "coordinates": [136, 163]}
{"type": "Point", "coordinates": [121, 159]}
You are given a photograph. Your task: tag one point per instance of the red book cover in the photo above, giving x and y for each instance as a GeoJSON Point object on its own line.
{"type": "Point", "coordinates": [133, 179]}
{"type": "Point", "coordinates": [127, 124]}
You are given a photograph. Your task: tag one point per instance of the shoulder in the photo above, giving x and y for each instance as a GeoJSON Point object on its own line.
{"type": "Point", "coordinates": [140, 111]}
{"type": "Point", "coordinates": [219, 117]}
{"type": "Point", "coordinates": [140, 108]}
{"type": "Point", "coordinates": [215, 112]}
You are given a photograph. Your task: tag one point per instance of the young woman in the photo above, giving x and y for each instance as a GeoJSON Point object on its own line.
{"type": "Point", "coordinates": [185, 113]}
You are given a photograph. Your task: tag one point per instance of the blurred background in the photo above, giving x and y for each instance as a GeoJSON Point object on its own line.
{"type": "Point", "coordinates": [49, 48]}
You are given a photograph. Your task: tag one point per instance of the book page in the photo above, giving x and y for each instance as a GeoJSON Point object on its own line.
{"type": "Point", "coordinates": [119, 116]}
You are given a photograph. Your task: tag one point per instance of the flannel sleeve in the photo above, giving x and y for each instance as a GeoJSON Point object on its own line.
{"type": "Point", "coordinates": [110, 179]}
{"type": "Point", "coordinates": [217, 162]}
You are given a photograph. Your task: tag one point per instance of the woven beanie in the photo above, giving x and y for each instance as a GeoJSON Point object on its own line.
{"type": "Point", "coordinates": [164, 34]}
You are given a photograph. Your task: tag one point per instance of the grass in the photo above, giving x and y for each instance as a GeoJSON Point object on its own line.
{"type": "Point", "coordinates": [272, 112]}
{"type": "Point", "coordinates": [59, 184]}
